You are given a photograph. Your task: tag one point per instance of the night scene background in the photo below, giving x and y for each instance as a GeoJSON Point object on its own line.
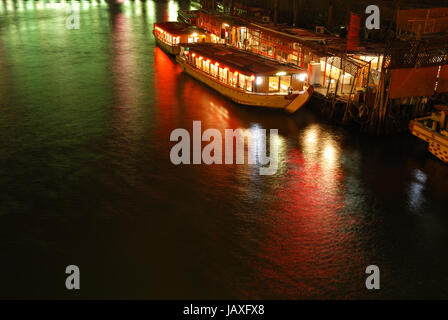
{"type": "Point", "coordinates": [86, 176]}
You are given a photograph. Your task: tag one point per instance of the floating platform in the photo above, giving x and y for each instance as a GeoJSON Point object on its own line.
{"type": "Point", "coordinates": [433, 129]}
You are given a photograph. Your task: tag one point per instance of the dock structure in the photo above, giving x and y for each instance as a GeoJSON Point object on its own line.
{"type": "Point", "coordinates": [354, 86]}
{"type": "Point", "coordinates": [417, 22]}
{"type": "Point", "coordinates": [413, 73]}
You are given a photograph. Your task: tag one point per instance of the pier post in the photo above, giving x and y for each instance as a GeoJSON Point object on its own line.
{"type": "Point", "coordinates": [329, 78]}
{"type": "Point", "coordinates": [325, 71]}
{"type": "Point", "coordinates": [349, 101]}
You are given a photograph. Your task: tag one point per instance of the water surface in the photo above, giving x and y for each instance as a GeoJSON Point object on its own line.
{"type": "Point", "coordinates": [86, 179]}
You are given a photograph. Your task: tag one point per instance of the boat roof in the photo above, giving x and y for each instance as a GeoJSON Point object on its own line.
{"type": "Point", "coordinates": [178, 28]}
{"type": "Point", "coordinates": [242, 61]}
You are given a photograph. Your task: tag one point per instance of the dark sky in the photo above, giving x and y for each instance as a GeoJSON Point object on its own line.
{"type": "Point", "coordinates": [314, 12]}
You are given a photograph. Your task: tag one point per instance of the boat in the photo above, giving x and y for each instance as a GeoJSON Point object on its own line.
{"type": "Point", "coordinates": [169, 35]}
{"type": "Point", "coordinates": [246, 78]}
{"type": "Point", "coordinates": [187, 16]}
{"type": "Point", "coordinates": [434, 130]}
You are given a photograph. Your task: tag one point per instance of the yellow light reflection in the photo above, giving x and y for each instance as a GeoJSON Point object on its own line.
{"type": "Point", "coordinates": [329, 162]}
{"type": "Point", "coordinates": [310, 143]}
{"type": "Point", "coordinates": [321, 154]}
{"type": "Point", "coordinates": [329, 153]}
{"type": "Point", "coordinates": [220, 111]}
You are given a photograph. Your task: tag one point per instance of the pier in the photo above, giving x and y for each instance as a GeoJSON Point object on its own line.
{"type": "Point", "coordinates": [373, 85]}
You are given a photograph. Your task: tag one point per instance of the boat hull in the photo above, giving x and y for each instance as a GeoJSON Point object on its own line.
{"type": "Point", "coordinates": [167, 48]}
{"type": "Point", "coordinates": [289, 103]}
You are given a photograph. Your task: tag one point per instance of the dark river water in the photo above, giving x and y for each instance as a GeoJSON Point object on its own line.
{"type": "Point", "coordinates": [86, 179]}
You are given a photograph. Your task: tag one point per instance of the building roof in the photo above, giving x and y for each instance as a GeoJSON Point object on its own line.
{"type": "Point", "coordinates": [321, 44]}
{"type": "Point", "coordinates": [178, 28]}
{"type": "Point", "coordinates": [242, 61]}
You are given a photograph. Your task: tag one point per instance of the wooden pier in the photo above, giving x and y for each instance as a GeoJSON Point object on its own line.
{"type": "Point", "coordinates": [378, 87]}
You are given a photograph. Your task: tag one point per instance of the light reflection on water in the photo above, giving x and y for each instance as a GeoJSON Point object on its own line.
{"type": "Point", "coordinates": [85, 124]}
{"type": "Point", "coordinates": [416, 190]}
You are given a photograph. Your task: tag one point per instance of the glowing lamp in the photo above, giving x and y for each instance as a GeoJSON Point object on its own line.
{"type": "Point", "coordinates": [259, 80]}
{"type": "Point", "coordinates": [281, 73]}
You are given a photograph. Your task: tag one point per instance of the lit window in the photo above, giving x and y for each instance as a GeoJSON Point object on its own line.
{"type": "Point", "coordinates": [222, 75]}
{"type": "Point", "coordinates": [242, 80]}
{"type": "Point", "coordinates": [248, 84]}
{"type": "Point", "coordinates": [233, 78]}
{"type": "Point", "coordinates": [285, 83]}
{"type": "Point", "coordinates": [273, 84]}
{"type": "Point", "coordinates": [214, 70]}
{"type": "Point", "coordinates": [206, 66]}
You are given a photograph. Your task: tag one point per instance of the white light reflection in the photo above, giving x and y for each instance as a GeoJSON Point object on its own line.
{"type": "Point", "coordinates": [261, 147]}
{"type": "Point", "coordinates": [151, 11]}
{"type": "Point", "coordinates": [416, 188]}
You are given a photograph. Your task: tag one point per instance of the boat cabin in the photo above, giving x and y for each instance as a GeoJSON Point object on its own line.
{"type": "Point", "coordinates": [245, 71]}
{"type": "Point", "coordinates": [175, 33]}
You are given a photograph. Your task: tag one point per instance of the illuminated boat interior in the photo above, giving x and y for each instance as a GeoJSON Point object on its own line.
{"type": "Point", "coordinates": [245, 71]}
{"type": "Point", "coordinates": [174, 33]}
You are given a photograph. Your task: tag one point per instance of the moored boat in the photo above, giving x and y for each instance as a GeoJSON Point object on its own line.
{"type": "Point", "coordinates": [169, 35]}
{"type": "Point", "coordinates": [246, 78]}
{"type": "Point", "coordinates": [434, 130]}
